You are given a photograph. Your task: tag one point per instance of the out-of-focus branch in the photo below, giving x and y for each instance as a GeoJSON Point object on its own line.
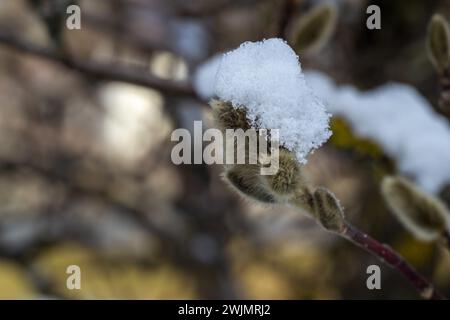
{"type": "Point", "coordinates": [110, 26]}
{"type": "Point", "coordinates": [80, 189]}
{"type": "Point", "coordinates": [100, 70]}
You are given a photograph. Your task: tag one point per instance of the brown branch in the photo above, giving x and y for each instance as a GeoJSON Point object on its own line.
{"type": "Point", "coordinates": [101, 71]}
{"type": "Point", "coordinates": [113, 27]}
{"type": "Point", "coordinates": [393, 259]}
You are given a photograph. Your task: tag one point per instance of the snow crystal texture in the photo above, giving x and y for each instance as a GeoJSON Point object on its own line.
{"type": "Point", "coordinates": [398, 118]}
{"type": "Point", "coordinates": [266, 78]}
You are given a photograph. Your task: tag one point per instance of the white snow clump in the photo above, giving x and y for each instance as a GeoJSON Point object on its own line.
{"type": "Point", "coordinates": [266, 78]}
{"type": "Point", "coordinates": [398, 118]}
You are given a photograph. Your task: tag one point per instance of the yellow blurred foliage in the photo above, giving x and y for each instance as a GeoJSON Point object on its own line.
{"type": "Point", "coordinates": [284, 271]}
{"type": "Point", "coordinates": [343, 137]}
{"type": "Point", "coordinates": [113, 277]}
{"type": "Point", "coordinates": [418, 253]}
{"type": "Point", "coordinates": [442, 272]}
{"type": "Point", "coordinates": [14, 283]}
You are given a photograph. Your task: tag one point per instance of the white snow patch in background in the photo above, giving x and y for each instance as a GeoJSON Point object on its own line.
{"type": "Point", "coordinates": [398, 118]}
{"type": "Point", "coordinates": [168, 66]}
{"type": "Point", "coordinates": [134, 122]}
{"type": "Point", "coordinates": [266, 78]}
{"type": "Point", "coordinates": [205, 76]}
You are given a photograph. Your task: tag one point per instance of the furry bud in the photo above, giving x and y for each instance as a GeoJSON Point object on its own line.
{"type": "Point", "coordinates": [328, 210]}
{"type": "Point", "coordinates": [314, 29]}
{"type": "Point", "coordinates": [246, 180]}
{"type": "Point", "coordinates": [288, 177]}
{"type": "Point", "coordinates": [438, 43]}
{"type": "Point", "coordinates": [422, 214]}
{"type": "Point", "coordinates": [228, 117]}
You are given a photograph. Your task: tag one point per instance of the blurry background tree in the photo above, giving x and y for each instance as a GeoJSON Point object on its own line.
{"type": "Point", "coordinates": [85, 170]}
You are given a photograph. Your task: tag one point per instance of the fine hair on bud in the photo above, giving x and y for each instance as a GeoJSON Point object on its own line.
{"type": "Point", "coordinates": [246, 179]}
{"type": "Point", "coordinates": [422, 214]}
{"type": "Point", "coordinates": [328, 210]}
{"type": "Point", "coordinates": [438, 43]}
{"type": "Point", "coordinates": [288, 177]}
{"type": "Point", "coordinates": [228, 117]}
{"type": "Point", "coordinates": [314, 29]}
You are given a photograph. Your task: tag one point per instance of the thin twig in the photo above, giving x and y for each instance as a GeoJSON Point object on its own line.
{"type": "Point", "coordinates": [102, 71]}
{"type": "Point", "coordinates": [393, 259]}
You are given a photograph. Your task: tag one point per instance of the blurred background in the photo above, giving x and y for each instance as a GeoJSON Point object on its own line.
{"type": "Point", "coordinates": [85, 171]}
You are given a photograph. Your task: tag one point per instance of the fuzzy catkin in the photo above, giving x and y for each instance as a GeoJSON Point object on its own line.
{"type": "Point", "coordinates": [328, 210]}
{"type": "Point", "coordinates": [438, 43]}
{"type": "Point", "coordinates": [246, 178]}
{"type": "Point", "coordinates": [313, 30]}
{"type": "Point", "coordinates": [288, 178]}
{"type": "Point", "coordinates": [422, 214]}
{"type": "Point", "coordinates": [247, 181]}
{"type": "Point", "coordinates": [228, 117]}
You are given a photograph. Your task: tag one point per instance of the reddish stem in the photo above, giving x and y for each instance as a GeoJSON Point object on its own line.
{"type": "Point", "coordinates": [446, 239]}
{"type": "Point", "coordinates": [393, 259]}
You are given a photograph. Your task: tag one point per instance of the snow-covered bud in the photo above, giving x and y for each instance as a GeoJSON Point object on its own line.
{"type": "Point", "coordinates": [227, 117]}
{"type": "Point", "coordinates": [265, 78]}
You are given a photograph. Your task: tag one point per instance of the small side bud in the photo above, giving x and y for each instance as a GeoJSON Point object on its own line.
{"type": "Point", "coordinates": [422, 214]}
{"type": "Point", "coordinates": [328, 210]}
{"type": "Point", "coordinates": [438, 43]}
{"type": "Point", "coordinates": [228, 117]}
{"type": "Point", "coordinates": [246, 180]}
{"type": "Point", "coordinates": [288, 177]}
{"type": "Point", "coordinates": [314, 29]}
